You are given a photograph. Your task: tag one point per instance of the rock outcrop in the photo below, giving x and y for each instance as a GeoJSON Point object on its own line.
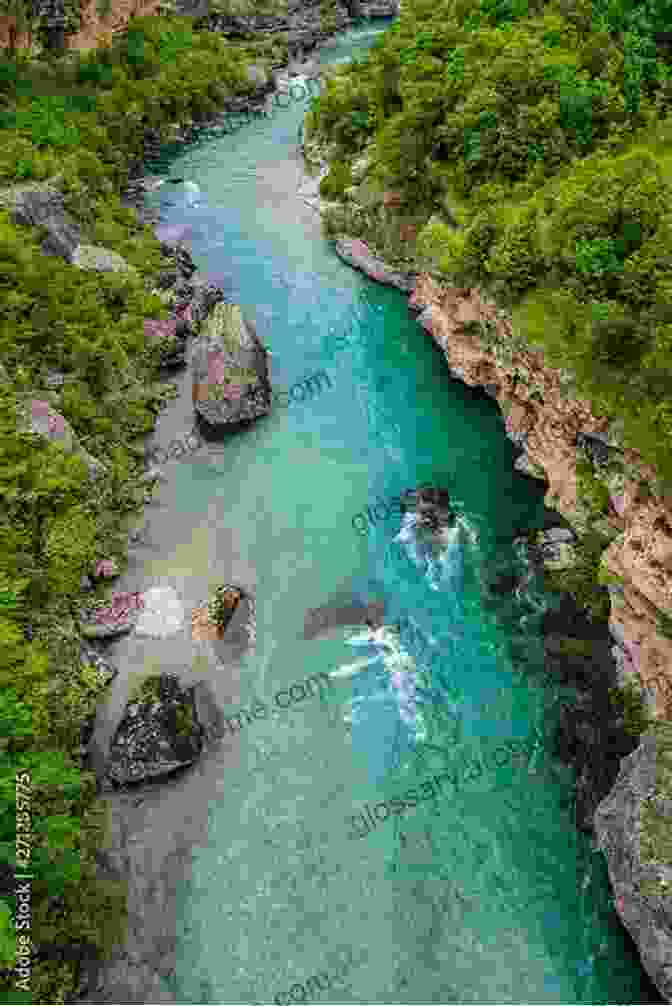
{"type": "Point", "coordinates": [633, 826]}
{"type": "Point", "coordinates": [159, 733]}
{"type": "Point", "coordinates": [42, 205]}
{"type": "Point", "coordinates": [357, 254]}
{"type": "Point", "coordinates": [39, 416]}
{"type": "Point", "coordinates": [230, 372]}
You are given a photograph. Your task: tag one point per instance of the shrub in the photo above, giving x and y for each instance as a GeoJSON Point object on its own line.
{"type": "Point", "coordinates": [334, 184]}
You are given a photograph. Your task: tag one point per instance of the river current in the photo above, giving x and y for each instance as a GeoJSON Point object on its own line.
{"type": "Point", "coordinates": [485, 895]}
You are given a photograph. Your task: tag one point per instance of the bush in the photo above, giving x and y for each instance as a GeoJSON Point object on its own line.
{"type": "Point", "coordinates": [334, 184]}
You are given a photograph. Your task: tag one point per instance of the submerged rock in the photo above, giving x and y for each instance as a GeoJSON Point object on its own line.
{"type": "Point", "coordinates": [319, 620]}
{"type": "Point", "coordinates": [230, 372]}
{"type": "Point", "coordinates": [432, 508]}
{"type": "Point", "coordinates": [159, 733]}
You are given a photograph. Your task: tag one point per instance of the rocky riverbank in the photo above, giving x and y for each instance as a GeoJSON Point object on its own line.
{"type": "Point", "coordinates": [614, 550]}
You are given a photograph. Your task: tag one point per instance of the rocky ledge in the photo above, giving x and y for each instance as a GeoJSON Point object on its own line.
{"type": "Point", "coordinates": [357, 254]}
{"type": "Point", "coordinates": [302, 20]}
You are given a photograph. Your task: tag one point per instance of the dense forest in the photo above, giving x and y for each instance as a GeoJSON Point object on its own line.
{"type": "Point", "coordinates": [77, 122]}
{"type": "Point", "coordinates": [530, 143]}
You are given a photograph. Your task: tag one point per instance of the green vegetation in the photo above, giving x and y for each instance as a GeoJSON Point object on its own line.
{"type": "Point", "coordinates": [572, 647]}
{"type": "Point", "coordinates": [76, 124]}
{"type": "Point", "coordinates": [629, 704]}
{"type": "Point", "coordinates": [542, 128]}
{"type": "Point", "coordinates": [222, 604]}
{"type": "Point", "coordinates": [334, 184]}
{"type": "Point", "coordinates": [581, 579]}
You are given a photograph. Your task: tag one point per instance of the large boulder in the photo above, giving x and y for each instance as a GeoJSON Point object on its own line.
{"type": "Point", "coordinates": [230, 372]}
{"type": "Point", "coordinates": [159, 733]}
{"type": "Point", "coordinates": [43, 206]}
{"type": "Point", "coordinates": [432, 508]}
{"type": "Point", "coordinates": [39, 416]}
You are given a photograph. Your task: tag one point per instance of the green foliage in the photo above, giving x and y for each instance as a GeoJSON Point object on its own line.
{"type": "Point", "coordinates": [339, 178]}
{"type": "Point", "coordinates": [54, 519]}
{"type": "Point", "coordinates": [581, 580]}
{"type": "Point", "coordinates": [591, 491]}
{"type": "Point", "coordinates": [629, 704]}
{"type": "Point", "coordinates": [664, 624]}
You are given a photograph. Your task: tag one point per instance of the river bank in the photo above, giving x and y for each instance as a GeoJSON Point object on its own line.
{"type": "Point", "coordinates": [150, 837]}
{"type": "Point", "coordinates": [611, 642]}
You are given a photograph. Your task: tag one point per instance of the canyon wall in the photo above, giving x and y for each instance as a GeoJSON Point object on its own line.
{"type": "Point", "coordinates": [94, 29]}
{"type": "Point", "coordinates": [549, 426]}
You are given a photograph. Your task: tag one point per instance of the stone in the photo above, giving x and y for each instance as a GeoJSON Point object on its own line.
{"type": "Point", "coordinates": [39, 416]}
{"type": "Point", "coordinates": [159, 737]}
{"type": "Point", "coordinates": [35, 206]}
{"type": "Point", "coordinates": [43, 206]}
{"type": "Point", "coordinates": [62, 239]}
{"type": "Point", "coordinates": [230, 370]}
{"type": "Point", "coordinates": [114, 619]}
{"type": "Point", "coordinates": [636, 856]}
{"type": "Point", "coordinates": [319, 620]}
{"type": "Point", "coordinates": [595, 446]}
{"type": "Point", "coordinates": [357, 254]}
{"type": "Point", "coordinates": [100, 259]}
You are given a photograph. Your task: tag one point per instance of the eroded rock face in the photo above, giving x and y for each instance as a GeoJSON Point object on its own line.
{"type": "Point", "coordinates": [157, 735]}
{"type": "Point", "coordinates": [631, 824]}
{"type": "Point", "coordinates": [549, 425]}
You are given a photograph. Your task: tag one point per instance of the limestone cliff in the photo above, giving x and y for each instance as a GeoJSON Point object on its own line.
{"type": "Point", "coordinates": [550, 426]}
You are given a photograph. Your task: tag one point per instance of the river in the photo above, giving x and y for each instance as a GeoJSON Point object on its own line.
{"type": "Point", "coordinates": [487, 896]}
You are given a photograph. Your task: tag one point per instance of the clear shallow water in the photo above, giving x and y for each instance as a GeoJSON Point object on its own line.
{"type": "Point", "coordinates": [487, 896]}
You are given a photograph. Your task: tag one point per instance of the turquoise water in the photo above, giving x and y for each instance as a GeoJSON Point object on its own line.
{"type": "Point", "coordinates": [486, 895]}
